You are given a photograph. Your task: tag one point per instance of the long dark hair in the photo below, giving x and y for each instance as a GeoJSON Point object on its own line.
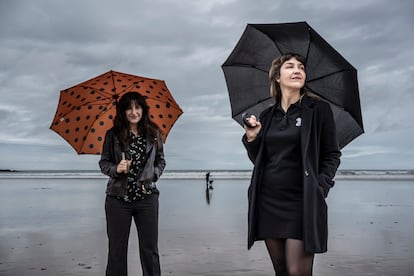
{"type": "Point", "coordinates": [145, 125]}
{"type": "Point", "coordinates": [274, 74]}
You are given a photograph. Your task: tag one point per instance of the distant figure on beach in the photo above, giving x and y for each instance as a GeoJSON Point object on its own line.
{"type": "Point", "coordinates": [133, 158]}
{"type": "Point", "coordinates": [209, 195]}
{"type": "Point", "coordinates": [209, 182]}
{"type": "Point", "coordinates": [209, 187]}
{"type": "Point", "coordinates": [294, 149]}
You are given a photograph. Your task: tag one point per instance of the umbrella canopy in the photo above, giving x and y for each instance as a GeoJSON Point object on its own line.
{"type": "Point", "coordinates": [328, 73]}
{"type": "Point", "coordinates": [86, 111]}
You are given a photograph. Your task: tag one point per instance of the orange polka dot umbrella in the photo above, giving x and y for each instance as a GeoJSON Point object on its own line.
{"type": "Point", "coordinates": [86, 111]}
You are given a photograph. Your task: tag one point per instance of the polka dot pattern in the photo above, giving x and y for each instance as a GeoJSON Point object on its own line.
{"type": "Point", "coordinates": [86, 111]}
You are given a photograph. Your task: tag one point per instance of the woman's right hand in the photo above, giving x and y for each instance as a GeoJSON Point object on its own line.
{"type": "Point", "coordinates": [123, 166]}
{"type": "Point", "coordinates": [251, 132]}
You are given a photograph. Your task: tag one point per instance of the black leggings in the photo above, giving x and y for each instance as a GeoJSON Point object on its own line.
{"type": "Point", "coordinates": [289, 257]}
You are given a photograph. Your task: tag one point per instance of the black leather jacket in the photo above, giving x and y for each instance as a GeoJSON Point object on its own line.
{"type": "Point", "coordinates": [112, 155]}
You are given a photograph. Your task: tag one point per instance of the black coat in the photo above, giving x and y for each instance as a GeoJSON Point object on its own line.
{"type": "Point", "coordinates": [320, 158]}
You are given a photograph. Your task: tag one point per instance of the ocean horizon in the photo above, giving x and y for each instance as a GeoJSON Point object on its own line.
{"type": "Point", "coordinates": [357, 174]}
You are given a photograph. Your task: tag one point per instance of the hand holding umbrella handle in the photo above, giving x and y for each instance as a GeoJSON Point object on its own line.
{"type": "Point", "coordinates": [245, 118]}
{"type": "Point", "coordinates": [251, 126]}
{"type": "Point", "coordinates": [123, 166]}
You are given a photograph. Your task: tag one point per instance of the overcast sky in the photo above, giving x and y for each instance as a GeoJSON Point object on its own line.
{"type": "Point", "coordinates": [50, 45]}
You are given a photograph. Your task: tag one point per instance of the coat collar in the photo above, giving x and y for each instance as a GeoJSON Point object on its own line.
{"type": "Point", "coordinates": [307, 103]}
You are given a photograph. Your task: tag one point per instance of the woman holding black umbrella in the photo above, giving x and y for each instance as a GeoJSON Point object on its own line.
{"type": "Point", "coordinates": [295, 153]}
{"type": "Point", "coordinates": [133, 158]}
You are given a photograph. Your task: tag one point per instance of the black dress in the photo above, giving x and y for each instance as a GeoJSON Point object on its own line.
{"type": "Point", "coordinates": [280, 202]}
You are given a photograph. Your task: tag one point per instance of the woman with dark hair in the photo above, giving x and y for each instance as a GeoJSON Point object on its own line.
{"type": "Point", "coordinates": [133, 158]}
{"type": "Point", "coordinates": [295, 153]}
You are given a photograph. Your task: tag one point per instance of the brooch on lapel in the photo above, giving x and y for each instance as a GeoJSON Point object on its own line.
{"type": "Point", "coordinates": [298, 121]}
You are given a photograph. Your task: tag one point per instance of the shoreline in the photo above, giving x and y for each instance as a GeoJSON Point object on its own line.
{"type": "Point", "coordinates": [368, 175]}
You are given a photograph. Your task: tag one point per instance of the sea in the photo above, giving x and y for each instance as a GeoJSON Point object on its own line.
{"type": "Point", "coordinates": [403, 174]}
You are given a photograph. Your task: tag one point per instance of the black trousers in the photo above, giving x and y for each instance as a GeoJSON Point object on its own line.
{"type": "Point", "coordinates": [119, 215]}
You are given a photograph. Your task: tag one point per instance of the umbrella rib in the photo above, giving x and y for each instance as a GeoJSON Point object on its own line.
{"type": "Point", "coordinates": [252, 105]}
{"type": "Point", "coordinates": [113, 81]}
{"type": "Point", "coordinates": [110, 98]}
{"type": "Point", "coordinates": [330, 74]}
{"type": "Point", "coordinates": [276, 45]}
{"type": "Point", "coordinates": [175, 104]}
{"type": "Point", "coordinates": [246, 65]}
{"type": "Point", "coordinates": [129, 88]}
{"type": "Point", "coordinates": [97, 116]}
{"type": "Point", "coordinates": [102, 93]}
{"type": "Point", "coordinates": [163, 102]}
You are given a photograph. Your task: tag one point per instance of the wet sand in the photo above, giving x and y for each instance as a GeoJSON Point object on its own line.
{"type": "Point", "coordinates": [57, 227]}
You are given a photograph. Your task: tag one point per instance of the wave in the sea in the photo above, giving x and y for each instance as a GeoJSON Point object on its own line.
{"type": "Point", "coordinates": [214, 174]}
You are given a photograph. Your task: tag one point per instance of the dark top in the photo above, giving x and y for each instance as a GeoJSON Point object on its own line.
{"type": "Point", "coordinates": [283, 165]}
{"type": "Point", "coordinates": [280, 206]}
{"type": "Point", "coordinates": [137, 147]}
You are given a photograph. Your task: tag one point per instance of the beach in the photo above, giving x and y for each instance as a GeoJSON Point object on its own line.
{"type": "Point", "coordinates": [56, 226]}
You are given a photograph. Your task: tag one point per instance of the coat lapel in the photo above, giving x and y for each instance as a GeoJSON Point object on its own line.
{"type": "Point", "coordinates": [307, 117]}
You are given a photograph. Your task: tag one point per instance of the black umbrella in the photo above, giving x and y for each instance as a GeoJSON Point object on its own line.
{"type": "Point", "coordinates": [328, 73]}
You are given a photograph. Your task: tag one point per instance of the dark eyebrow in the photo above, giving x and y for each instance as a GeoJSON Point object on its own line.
{"type": "Point", "coordinates": [292, 63]}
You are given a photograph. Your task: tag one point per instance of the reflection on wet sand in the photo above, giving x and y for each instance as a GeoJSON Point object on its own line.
{"type": "Point", "coordinates": [57, 227]}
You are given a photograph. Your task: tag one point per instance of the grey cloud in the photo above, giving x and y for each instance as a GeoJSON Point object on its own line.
{"type": "Point", "coordinates": [51, 45]}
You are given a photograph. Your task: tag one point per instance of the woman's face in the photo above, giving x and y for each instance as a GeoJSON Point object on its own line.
{"type": "Point", "coordinates": [134, 113]}
{"type": "Point", "coordinates": [292, 75]}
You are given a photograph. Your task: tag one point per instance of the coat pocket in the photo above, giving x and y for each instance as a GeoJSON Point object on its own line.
{"type": "Point", "coordinates": [325, 184]}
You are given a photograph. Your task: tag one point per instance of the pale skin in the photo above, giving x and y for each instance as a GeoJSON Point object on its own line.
{"type": "Point", "coordinates": [133, 115]}
{"type": "Point", "coordinates": [291, 79]}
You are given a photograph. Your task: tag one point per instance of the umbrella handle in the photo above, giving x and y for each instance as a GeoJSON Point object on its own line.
{"type": "Point", "coordinates": [246, 116]}
{"type": "Point", "coordinates": [123, 155]}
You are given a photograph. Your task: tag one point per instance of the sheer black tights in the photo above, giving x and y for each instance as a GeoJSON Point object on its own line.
{"type": "Point", "coordinates": [289, 257]}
